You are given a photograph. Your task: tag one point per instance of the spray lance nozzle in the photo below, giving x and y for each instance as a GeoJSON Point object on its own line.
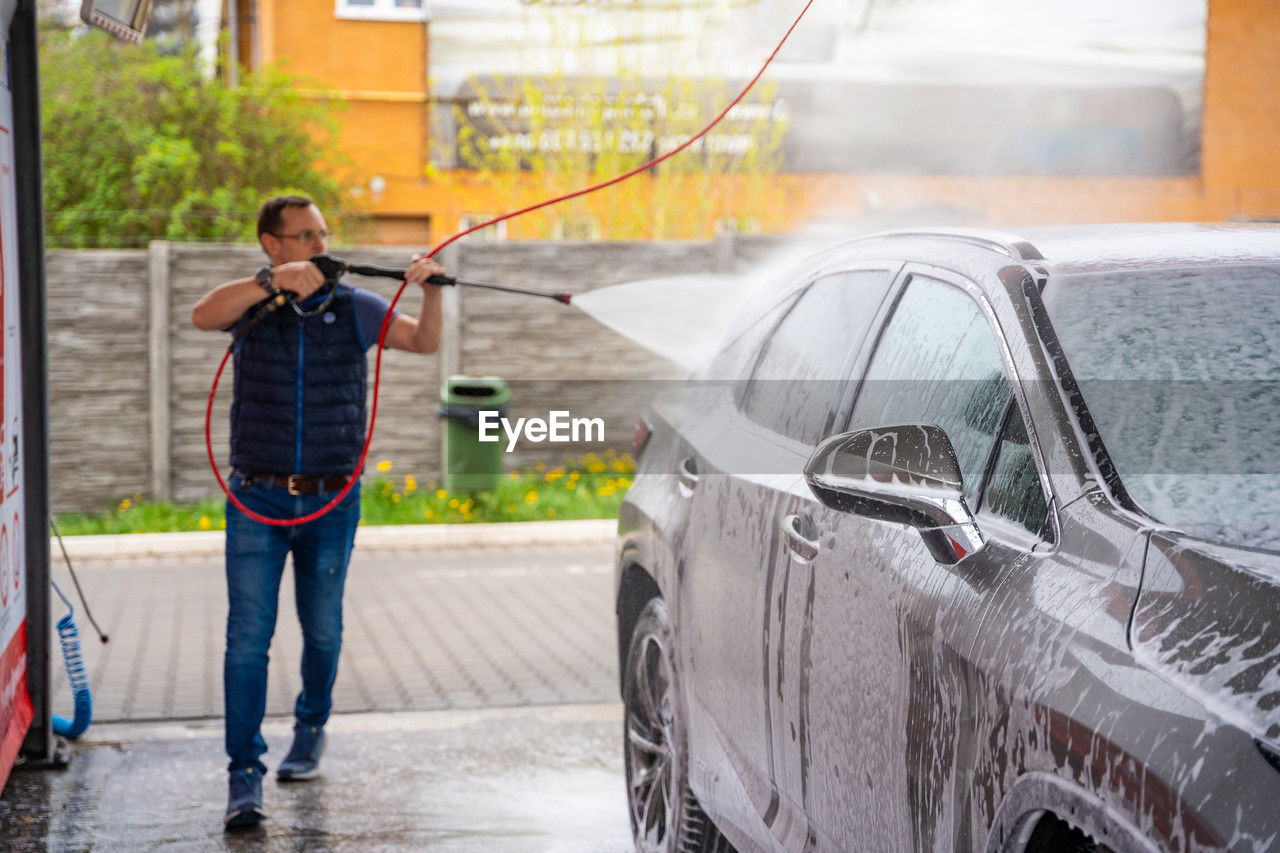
{"type": "Point", "coordinates": [333, 267]}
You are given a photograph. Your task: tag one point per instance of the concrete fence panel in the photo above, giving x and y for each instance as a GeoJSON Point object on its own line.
{"type": "Point", "coordinates": [129, 375]}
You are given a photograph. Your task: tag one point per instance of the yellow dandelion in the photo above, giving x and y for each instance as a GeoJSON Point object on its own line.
{"type": "Point", "coordinates": [410, 483]}
{"type": "Point", "coordinates": [124, 504]}
{"type": "Point", "coordinates": [551, 512]}
{"type": "Point", "coordinates": [571, 485]}
{"type": "Point", "coordinates": [556, 473]}
{"type": "Point", "coordinates": [597, 468]}
{"type": "Point", "coordinates": [429, 514]}
{"type": "Point", "coordinates": [395, 499]}
{"type": "Point", "coordinates": [205, 523]}
{"type": "Point", "coordinates": [222, 524]}
{"type": "Point", "coordinates": [441, 494]}
{"type": "Point", "coordinates": [540, 467]}
{"type": "Point", "coordinates": [530, 496]}
{"type": "Point", "coordinates": [454, 503]}
{"type": "Point", "coordinates": [384, 466]}
{"type": "Point", "coordinates": [467, 505]}
{"type": "Point", "coordinates": [575, 476]}
{"type": "Point", "coordinates": [515, 475]}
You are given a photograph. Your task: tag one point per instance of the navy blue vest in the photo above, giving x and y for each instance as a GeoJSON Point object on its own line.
{"type": "Point", "coordinates": [299, 405]}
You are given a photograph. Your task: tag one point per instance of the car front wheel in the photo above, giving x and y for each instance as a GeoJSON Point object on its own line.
{"type": "Point", "coordinates": [664, 815]}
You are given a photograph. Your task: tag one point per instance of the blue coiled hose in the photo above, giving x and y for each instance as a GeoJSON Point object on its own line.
{"type": "Point", "coordinates": [69, 636]}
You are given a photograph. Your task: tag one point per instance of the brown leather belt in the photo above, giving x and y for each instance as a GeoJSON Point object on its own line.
{"type": "Point", "coordinates": [300, 484]}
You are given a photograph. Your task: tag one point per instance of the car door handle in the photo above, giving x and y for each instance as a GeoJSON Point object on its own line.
{"type": "Point", "coordinates": [688, 473]}
{"type": "Point", "coordinates": [803, 546]}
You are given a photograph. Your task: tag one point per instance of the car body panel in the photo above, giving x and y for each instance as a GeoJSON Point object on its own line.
{"type": "Point", "coordinates": [847, 691]}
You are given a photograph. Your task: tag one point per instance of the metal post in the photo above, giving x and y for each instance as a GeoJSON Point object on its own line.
{"type": "Point", "coordinates": [28, 182]}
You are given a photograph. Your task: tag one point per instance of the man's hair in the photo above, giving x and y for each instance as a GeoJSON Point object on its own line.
{"type": "Point", "coordinates": [270, 214]}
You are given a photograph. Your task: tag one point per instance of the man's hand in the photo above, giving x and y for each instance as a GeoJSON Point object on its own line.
{"type": "Point", "coordinates": [422, 269]}
{"type": "Point", "coordinates": [423, 334]}
{"type": "Point", "coordinates": [222, 306]}
{"type": "Point", "coordinates": [301, 277]}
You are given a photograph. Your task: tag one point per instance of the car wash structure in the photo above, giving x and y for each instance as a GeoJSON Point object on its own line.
{"type": "Point", "coordinates": [26, 724]}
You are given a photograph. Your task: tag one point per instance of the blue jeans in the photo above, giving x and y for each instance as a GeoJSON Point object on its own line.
{"type": "Point", "coordinates": [255, 555]}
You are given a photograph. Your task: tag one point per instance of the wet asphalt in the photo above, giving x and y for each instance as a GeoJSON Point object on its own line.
{"type": "Point", "coordinates": [517, 779]}
{"type": "Point", "coordinates": [476, 710]}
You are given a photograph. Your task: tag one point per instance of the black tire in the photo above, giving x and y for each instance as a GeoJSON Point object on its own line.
{"type": "Point", "coordinates": [1054, 835]}
{"type": "Point", "coordinates": [665, 817]}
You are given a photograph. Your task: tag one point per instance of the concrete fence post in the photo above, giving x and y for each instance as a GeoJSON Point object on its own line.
{"type": "Point", "coordinates": [158, 391]}
{"type": "Point", "coordinates": [724, 246]}
{"type": "Point", "coordinates": [450, 354]}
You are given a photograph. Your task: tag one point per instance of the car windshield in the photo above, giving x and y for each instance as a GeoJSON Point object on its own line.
{"type": "Point", "coordinates": [1180, 370]}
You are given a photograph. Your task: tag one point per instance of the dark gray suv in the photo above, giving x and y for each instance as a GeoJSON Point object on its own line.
{"type": "Point", "coordinates": [967, 541]}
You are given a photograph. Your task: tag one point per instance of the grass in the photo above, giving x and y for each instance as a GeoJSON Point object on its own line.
{"type": "Point", "coordinates": [590, 486]}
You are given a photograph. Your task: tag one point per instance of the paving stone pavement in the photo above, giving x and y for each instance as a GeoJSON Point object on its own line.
{"type": "Point", "coordinates": [425, 629]}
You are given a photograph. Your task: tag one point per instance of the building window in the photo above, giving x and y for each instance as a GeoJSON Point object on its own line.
{"type": "Point", "coordinates": [585, 228]}
{"type": "Point", "coordinates": [495, 232]}
{"type": "Point", "coordinates": [381, 10]}
{"type": "Point", "coordinates": [738, 225]}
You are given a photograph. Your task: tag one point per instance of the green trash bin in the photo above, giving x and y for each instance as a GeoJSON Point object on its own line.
{"type": "Point", "coordinates": [472, 465]}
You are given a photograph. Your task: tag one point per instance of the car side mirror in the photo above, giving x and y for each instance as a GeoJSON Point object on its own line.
{"type": "Point", "coordinates": [903, 474]}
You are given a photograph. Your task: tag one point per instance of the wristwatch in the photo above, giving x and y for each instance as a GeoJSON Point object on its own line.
{"type": "Point", "coordinates": [263, 277]}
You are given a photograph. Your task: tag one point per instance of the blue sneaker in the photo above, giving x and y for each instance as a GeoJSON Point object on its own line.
{"type": "Point", "coordinates": [303, 760]}
{"type": "Point", "coordinates": [244, 802]}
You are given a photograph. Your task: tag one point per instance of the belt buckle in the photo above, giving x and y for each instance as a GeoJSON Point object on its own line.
{"type": "Point", "coordinates": [294, 484]}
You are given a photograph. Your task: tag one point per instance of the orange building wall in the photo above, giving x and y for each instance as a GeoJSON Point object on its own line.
{"type": "Point", "coordinates": [380, 69]}
{"type": "Point", "coordinates": [783, 202]}
{"type": "Point", "coordinates": [1240, 166]}
{"type": "Point", "coordinates": [1242, 105]}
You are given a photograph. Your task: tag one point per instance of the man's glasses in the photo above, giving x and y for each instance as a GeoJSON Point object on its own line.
{"type": "Point", "coordinates": [308, 236]}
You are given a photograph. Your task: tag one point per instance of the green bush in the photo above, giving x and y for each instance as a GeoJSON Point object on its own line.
{"type": "Point", "coordinates": [141, 145]}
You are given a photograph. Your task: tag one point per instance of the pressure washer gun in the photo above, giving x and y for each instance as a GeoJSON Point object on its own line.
{"type": "Point", "coordinates": [333, 267]}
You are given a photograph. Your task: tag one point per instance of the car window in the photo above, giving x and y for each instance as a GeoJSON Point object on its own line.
{"type": "Point", "coordinates": [938, 362]}
{"type": "Point", "coordinates": [1015, 492]}
{"type": "Point", "coordinates": [801, 372]}
{"type": "Point", "coordinates": [738, 357]}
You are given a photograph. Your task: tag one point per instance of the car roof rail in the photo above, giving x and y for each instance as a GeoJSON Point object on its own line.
{"type": "Point", "coordinates": [1008, 244]}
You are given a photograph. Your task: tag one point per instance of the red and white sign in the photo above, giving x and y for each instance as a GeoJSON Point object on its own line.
{"type": "Point", "coordinates": [15, 699]}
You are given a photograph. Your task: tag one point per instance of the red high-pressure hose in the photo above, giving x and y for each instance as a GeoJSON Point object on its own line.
{"type": "Point", "coordinates": [382, 334]}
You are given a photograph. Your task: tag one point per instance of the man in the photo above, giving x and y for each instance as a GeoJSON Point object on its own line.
{"type": "Point", "coordinates": [297, 429]}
